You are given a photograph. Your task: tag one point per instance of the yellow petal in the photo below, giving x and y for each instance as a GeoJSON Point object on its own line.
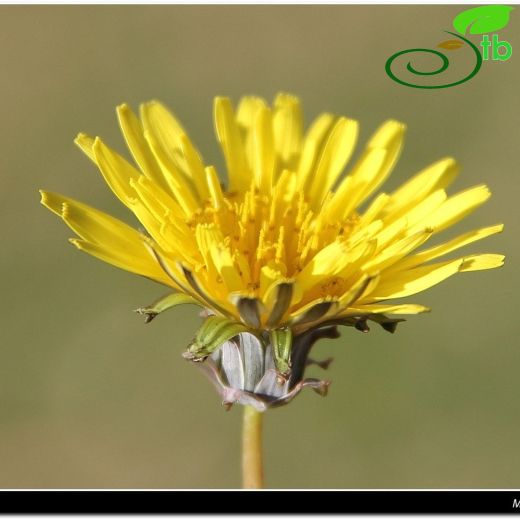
{"type": "Point", "coordinates": [326, 263]}
{"type": "Point", "coordinates": [335, 155]}
{"type": "Point", "coordinates": [164, 128]}
{"type": "Point", "coordinates": [448, 247]}
{"type": "Point", "coordinates": [390, 136]}
{"type": "Point", "coordinates": [406, 308]}
{"type": "Point", "coordinates": [364, 234]}
{"type": "Point", "coordinates": [359, 256]}
{"type": "Point", "coordinates": [375, 164]}
{"type": "Point", "coordinates": [215, 191]}
{"type": "Point", "coordinates": [355, 292]}
{"type": "Point", "coordinates": [248, 107]}
{"type": "Point", "coordinates": [374, 210]}
{"type": "Point", "coordinates": [312, 145]}
{"type": "Point", "coordinates": [410, 282]}
{"type": "Point", "coordinates": [94, 225]}
{"type": "Point", "coordinates": [118, 258]}
{"type": "Point", "coordinates": [228, 134]}
{"type": "Point", "coordinates": [438, 175]}
{"type": "Point", "coordinates": [285, 188]}
{"type": "Point", "coordinates": [160, 219]}
{"type": "Point", "coordinates": [405, 283]}
{"type": "Point", "coordinates": [86, 145]}
{"type": "Point", "coordinates": [415, 220]}
{"type": "Point", "coordinates": [165, 137]}
{"type": "Point", "coordinates": [157, 200]}
{"type": "Point", "coordinates": [171, 269]}
{"type": "Point", "coordinates": [270, 275]}
{"type": "Point", "coordinates": [263, 151]}
{"type": "Point", "coordinates": [481, 262]}
{"type": "Point", "coordinates": [218, 257]}
{"type": "Point", "coordinates": [133, 133]}
{"type": "Point", "coordinates": [288, 129]}
{"type": "Point", "coordinates": [117, 171]}
{"type": "Point", "coordinates": [195, 167]}
{"type": "Point", "coordinates": [357, 184]}
{"type": "Point", "coordinates": [167, 140]}
{"type": "Point", "coordinates": [457, 207]}
{"type": "Point", "coordinates": [209, 292]}
{"type": "Point", "coordinates": [393, 253]}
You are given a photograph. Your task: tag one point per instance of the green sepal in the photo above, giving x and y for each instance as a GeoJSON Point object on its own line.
{"type": "Point", "coordinates": [281, 341]}
{"type": "Point", "coordinates": [389, 324]}
{"type": "Point", "coordinates": [360, 322]}
{"type": "Point", "coordinates": [164, 303]}
{"type": "Point", "coordinates": [249, 310]}
{"type": "Point", "coordinates": [215, 331]}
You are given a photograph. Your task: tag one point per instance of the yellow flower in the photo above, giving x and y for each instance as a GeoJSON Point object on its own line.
{"type": "Point", "coordinates": [289, 243]}
{"type": "Point", "coordinates": [285, 242]}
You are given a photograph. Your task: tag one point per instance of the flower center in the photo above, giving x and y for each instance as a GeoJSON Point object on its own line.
{"type": "Point", "coordinates": [266, 238]}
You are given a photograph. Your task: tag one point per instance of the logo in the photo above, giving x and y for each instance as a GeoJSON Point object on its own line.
{"type": "Point", "coordinates": [480, 20]}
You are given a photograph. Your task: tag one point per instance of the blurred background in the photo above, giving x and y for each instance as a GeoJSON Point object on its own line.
{"type": "Point", "coordinates": [90, 397]}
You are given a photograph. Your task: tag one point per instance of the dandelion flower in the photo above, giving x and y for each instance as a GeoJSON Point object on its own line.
{"type": "Point", "coordinates": [285, 250]}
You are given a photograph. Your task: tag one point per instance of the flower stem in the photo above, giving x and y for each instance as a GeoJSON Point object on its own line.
{"type": "Point", "coordinates": [252, 467]}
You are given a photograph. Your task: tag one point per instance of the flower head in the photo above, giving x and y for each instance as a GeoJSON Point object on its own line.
{"type": "Point", "coordinates": [288, 245]}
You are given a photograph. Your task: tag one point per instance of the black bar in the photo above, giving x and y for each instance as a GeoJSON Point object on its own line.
{"type": "Point", "coordinates": [300, 502]}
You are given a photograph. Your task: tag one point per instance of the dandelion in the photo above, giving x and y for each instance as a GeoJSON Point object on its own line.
{"type": "Point", "coordinates": [283, 253]}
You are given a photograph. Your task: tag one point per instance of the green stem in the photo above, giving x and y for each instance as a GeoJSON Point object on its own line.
{"type": "Point", "coordinates": [252, 467]}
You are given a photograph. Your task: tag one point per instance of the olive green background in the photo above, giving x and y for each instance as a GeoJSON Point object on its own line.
{"type": "Point", "coordinates": [90, 397]}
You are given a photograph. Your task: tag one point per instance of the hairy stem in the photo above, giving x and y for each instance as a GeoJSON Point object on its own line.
{"type": "Point", "coordinates": [252, 467]}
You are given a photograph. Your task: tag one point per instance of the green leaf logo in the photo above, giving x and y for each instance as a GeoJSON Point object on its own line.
{"type": "Point", "coordinates": [483, 19]}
